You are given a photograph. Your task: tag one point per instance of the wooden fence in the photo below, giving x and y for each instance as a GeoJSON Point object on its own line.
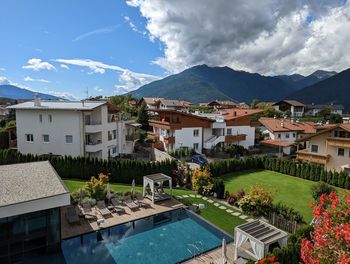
{"type": "Point", "coordinates": [282, 223]}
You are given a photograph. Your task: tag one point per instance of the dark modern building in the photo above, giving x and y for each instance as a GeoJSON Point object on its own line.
{"type": "Point", "coordinates": [31, 195]}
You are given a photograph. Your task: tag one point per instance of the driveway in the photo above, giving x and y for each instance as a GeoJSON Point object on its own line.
{"type": "Point", "coordinates": [193, 165]}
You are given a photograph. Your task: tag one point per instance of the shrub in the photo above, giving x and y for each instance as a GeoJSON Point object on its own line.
{"type": "Point", "coordinates": [234, 197]}
{"type": "Point", "coordinates": [219, 188]}
{"type": "Point", "coordinates": [235, 150]}
{"type": "Point", "coordinates": [88, 200]}
{"type": "Point", "coordinates": [287, 213]}
{"type": "Point", "coordinates": [320, 188]}
{"type": "Point", "coordinates": [257, 201]}
{"type": "Point", "coordinates": [201, 178]}
{"type": "Point", "coordinates": [96, 187]}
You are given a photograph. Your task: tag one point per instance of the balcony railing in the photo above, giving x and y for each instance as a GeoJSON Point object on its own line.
{"type": "Point", "coordinates": [338, 142]}
{"type": "Point", "coordinates": [235, 138]}
{"type": "Point", "coordinates": [93, 146]}
{"type": "Point", "coordinates": [132, 137]}
{"type": "Point", "coordinates": [306, 155]}
{"type": "Point", "coordinates": [13, 143]}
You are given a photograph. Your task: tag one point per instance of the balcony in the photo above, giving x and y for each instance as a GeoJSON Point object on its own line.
{"type": "Point", "coordinates": [93, 146]}
{"type": "Point", "coordinates": [234, 139]}
{"type": "Point", "coordinates": [338, 142]}
{"type": "Point", "coordinates": [306, 155]}
{"type": "Point", "coordinates": [169, 140]}
{"type": "Point", "coordinates": [132, 137]}
{"type": "Point", "coordinates": [13, 143]}
{"type": "Point", "coordinates": [93, 127]}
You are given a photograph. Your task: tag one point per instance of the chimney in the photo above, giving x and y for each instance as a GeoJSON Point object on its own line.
{"type": "Point", "coordinates": [282, 123]}
{"type": "Point", "coordinates": [234, 113]}
{"type": "Point", "coordinates": [82, 102]}
{"type": "Point", "coordinates": [37, 101]}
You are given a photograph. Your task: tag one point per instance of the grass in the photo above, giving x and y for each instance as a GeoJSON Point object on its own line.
{"type": "Point", "coordinates": [288, 190]}
{"type": "Point", "coordinates": [211, 213]}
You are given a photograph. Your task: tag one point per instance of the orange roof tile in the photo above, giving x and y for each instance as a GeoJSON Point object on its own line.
{"type": "Point", "coordinates": [237, 113]}
{"type": "Point", "coordinates": [277, 143]}
{"type": "Point", "coordinates": [285, 125]}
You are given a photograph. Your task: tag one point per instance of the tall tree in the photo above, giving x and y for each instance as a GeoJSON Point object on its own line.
{"type": "Point", "coordinates": [142, 117]}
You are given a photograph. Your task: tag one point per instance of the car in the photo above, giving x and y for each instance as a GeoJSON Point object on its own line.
{"type": "Point", "coordinates": [199, 159]}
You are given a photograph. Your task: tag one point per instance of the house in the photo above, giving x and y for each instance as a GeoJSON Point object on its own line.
{"type": "Point", "coordinates": [216, 104]}
{"type": "Point", "coordinates": [329, 147]}
{"type": "Point", "coordinates": [314, 109]}
{"type": "Point", "coordinates": [3, 111]}
{"type": "Point", "coordinates": [295, 108]}
{"type": "Point", "coordinates": [151, 102]}
{"type": "Point", "coordinates": [202, 131]}
{"type": "Point", "coordinates": [31, 195]}
{"type": "Point", "coordinates": [171, 104]}
{"type": "Point", "coordinates": [284, 133]}
{"type": "Point", "coordinates": [86, 128]}
{"type": "Point", "coordinates": [243, 105]}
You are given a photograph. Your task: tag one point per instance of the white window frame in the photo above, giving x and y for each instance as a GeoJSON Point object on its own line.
{"type": "Point", "coordinates": [196, 133]}
{"type": "Point", "coordinates": [195, 146]}
{"type": "Point", "coordinates": [229, 133]}
{"type": "Point", "coordinates": [31, 137]}
{"type": "Point", "coordinates": [316, 148]}
{"type": "Point", "coordinates": [48, 137]}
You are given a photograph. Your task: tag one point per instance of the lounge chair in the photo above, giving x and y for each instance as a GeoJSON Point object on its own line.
{"type": "Point", "coordinates": [87, 212]}
{"type": "Point", "coordinates": [101, 206]}
{"type": "Point", "coordinates": [115, 203]}
{"type": "Point", "coordinates": [139, 201]}
{"type": "Point", "coordinates": [131, 204]}
{"type": "Point", "coordinates": [72, 216]}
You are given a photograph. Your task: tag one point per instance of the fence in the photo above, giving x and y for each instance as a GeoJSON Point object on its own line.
{"type": "Point", "coordinates": [282, 223]}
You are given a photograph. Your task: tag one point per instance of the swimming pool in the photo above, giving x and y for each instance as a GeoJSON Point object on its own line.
{"type": "Point", "coordinates": [167, 238]}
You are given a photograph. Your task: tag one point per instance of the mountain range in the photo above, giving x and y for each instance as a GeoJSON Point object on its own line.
{"type": "Point", "coordinates": [203, 83]}
{"type": "Point", "coordinates": [14, 92]}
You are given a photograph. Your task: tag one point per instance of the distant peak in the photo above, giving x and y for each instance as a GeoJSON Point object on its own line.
{"type": "Point", "coordinates": [321, 74]}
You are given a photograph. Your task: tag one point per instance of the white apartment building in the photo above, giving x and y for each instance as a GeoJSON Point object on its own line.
{"type": "Point", "coordinates": [203, 132]}
{"type": "Point", "coordinates": [80, 128]}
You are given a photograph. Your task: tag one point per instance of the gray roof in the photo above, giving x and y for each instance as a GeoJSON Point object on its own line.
{"type": "Point", "coordinates": [169, 102]}
{"type": "Point", "coordinates": [24, 182]}
{"type": "Point", "coordinates": [59, 105]}
{"type": "Point", "coordinates": [291, 102]}
{"type": "Point", "coordinates": [158, 177]}
{"type": "Point", "coordinates": [330, 106]}
{"type": "Point", "coordinates": [262, 231]}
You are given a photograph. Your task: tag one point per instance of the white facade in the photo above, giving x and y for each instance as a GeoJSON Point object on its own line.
{"type": "Point", "coordinates": [74, 129]}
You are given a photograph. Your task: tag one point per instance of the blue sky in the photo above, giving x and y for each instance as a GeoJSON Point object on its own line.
{"type": "Point", "coordinates": [111, 33]}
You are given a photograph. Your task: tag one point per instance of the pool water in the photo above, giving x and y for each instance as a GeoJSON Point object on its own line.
{"type": "Point", "coordinates": [167, 238]}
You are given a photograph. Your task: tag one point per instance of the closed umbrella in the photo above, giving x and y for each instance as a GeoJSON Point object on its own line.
{"type": "Point", "coordinates": [133, 188]}
{"type": "Point", "coordinates": [108, 195]}
{"type": "Point", "coordinates": [224, 257]}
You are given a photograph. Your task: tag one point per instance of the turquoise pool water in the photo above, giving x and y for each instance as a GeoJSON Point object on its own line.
{"type": "Point", "coordinates": [167, 238]}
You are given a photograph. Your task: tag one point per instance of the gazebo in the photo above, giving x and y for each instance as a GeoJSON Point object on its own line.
{"type": "Point", "coordinates": [153, 187]}
{"type": "Point", "coordinates": [252, 240]}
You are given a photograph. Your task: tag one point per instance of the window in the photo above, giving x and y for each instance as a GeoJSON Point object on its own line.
{"type": "Point", "coordinates": [229, 131]}
{"type": "Point", "coordinates": [196, 133]}
{"type": "Point", "coordinates": [314, 148]}
{"type": "Point", "coordinates": [29, 137]}
{"type": "Point", "coordinates": [341, 152]}
{"type": "Point", "coordinates": [114, 134]}
{"type": "Point", "coordinates": [294, 135]}
{"type": "Point", "coordinates": [114, 150]}
{"type": "Point", "coordinates": [41, 118]}
{"type": "Point", "coordinates": [46, 138]}
{"type": "Point", "coordinates": [287, 135]}
{"type": "Point", "coordinates": [69, 139]}
{"type": "Point", "coordinates": [195, 146]}
{"type": "Point", "coordinates": [50, 118]}
{"type": "Point", "coordinates": [278, 135]}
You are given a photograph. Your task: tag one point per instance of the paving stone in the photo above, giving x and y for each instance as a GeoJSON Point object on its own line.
{"type": "Point", "coordinates": [210, 201]}
{"type": "Point", "coordinates": [250, 220]}
{"type": "Point", "coordinates": [222, 207]}
{"type": "Point", "coordinates": [243, 216]}
{"type": "Point", "coordinates": [179, 197]}
{"type": "Point", "coordinates": [229, 211]}
{"type": "Point", "coordinates": [236, 214]}
{"type": "Point", "coordinates": [216, 204]}
{"type": "Point", "coordinates": [200, 196]}
{"type": "Point", "coordinates": [192, 195]}
{"type": "Point", "coordinates": [205, 198]}
{"type": "Point", "coordinates": [185, 196]}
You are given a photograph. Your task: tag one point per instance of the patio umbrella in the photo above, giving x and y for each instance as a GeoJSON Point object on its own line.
{"type": "Point", "coordinates": [133, 188]}
{"type": "Point", "coordinates": [108, 195]}
{"type": "Point", "coordinates": [224, 257]}
{"type": "Point", "coordinates": [80, 195]}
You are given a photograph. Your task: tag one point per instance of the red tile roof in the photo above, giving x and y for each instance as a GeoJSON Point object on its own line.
{"type": "Point", "coordinates": [285, 125]}
{"type": "Point", "coordinates": [276, 143]}
{"type": "Point", "coordinates": [230, 114]}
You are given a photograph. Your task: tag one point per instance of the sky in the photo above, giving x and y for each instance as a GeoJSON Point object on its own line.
{"type": "Point", "coordinates": [68, 48]}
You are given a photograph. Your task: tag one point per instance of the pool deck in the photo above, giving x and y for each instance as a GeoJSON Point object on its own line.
{"type": "Point", "coordinates": [213, 256]}
{"type": "Point", "coordinates": [87, 226]}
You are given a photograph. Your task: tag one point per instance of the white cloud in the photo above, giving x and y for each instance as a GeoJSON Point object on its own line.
{"type": "Point", "coordinates": [4, 81]}
{"type": "Point", "coordinates": [133, 26]}
{"type": "Point", "coordinates": [270, 37]}
{"type": "Point", "coordinates": [64, 66]}
{"type": "Point", "coordinates": [103, 30]}
{"type": "Point", "coordinates": [64, 95]}
{"type": "Point", "coordinates": [128, 80]}
{"type": "Point", "coordinates": [37, 65]}
{"type": "Point", "coordinates": [29, 79]}
{"type": "Point", "coordinates": [98, 89]}
{"type": "Point", "coordinates": [2, 69]}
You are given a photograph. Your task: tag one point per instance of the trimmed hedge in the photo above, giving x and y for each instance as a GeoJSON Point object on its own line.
{"type": "Point", "coordinates": [119, 171]}
{"type": "Point", "coordinates": [294, 168]}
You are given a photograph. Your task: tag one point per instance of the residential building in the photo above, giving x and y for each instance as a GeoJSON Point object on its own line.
{"type": "Point", "coordinates": [295, 108]}
{"type": "Point", "coordinates": [203, 132]}
{"type": "Point", "coordinates": [151, 102]}
{"type": "Point", "coordinates": [314, 109]}
{"type": "Point", "coordinates": [284, 133]}
{"type": "Point", "coordinates": [3, 111]}
{"type": "Point", "coordinates": [216, 104]}
{"type": "Point", "coordinates": [171, 104]}
{"type": "Point", "coordinates": [330, 147]}
{"type": "Point", "coordinates": [31, 195]}
{"type": "Point", "coordinates": [86, 128]}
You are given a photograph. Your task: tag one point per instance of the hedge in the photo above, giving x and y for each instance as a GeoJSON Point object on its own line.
{"type": "Point", "coordinates": [294, 168]}
{"type": "Point", "coordinates": [119, 171]}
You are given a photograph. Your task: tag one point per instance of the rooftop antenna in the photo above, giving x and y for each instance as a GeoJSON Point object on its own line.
{"type": "Point", "coordinates": [87, 92]}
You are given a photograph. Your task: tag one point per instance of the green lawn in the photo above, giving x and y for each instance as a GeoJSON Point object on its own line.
{"type": "Point", "coordinates": [213, 214]}
{"type": "Point", "coordinates": [291, 191]}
